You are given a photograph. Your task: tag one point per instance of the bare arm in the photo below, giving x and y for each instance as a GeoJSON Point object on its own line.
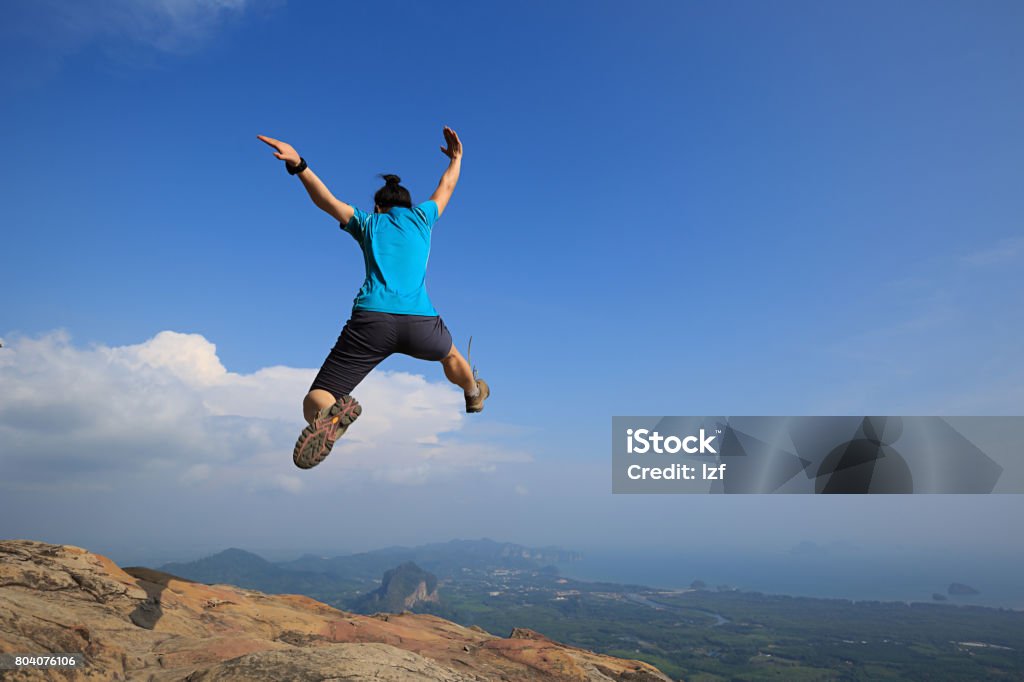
{"type": "Point", "coordinates": [450, 178]}
{"type": "Point", "coordinates": [316, 189]}
{"type": "Point", "coordinates": [323, 198]}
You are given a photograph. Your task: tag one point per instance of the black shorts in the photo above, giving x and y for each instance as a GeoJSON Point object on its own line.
{"type": "Point", "coordinates": [369, 337]}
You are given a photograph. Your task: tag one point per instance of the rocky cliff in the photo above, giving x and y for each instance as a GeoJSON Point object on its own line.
{"type": "Point", "coordinates": [401, 588]}
{"type": "Point", "coordinates": [141, 624]}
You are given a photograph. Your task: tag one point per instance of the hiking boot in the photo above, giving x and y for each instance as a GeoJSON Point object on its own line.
{"type": "Point", "coordinates": [317, 439]}
{"type": "Point", "coordinates": [477, 404]}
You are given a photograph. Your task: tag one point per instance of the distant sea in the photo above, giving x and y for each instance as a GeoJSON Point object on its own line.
{"type": "Point", "coordinates": [813, 571]}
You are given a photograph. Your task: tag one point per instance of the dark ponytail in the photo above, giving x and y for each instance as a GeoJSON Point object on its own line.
{"type": "Point", "coordinates": [392, 194]}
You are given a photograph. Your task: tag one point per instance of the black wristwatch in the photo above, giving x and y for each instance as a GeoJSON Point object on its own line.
{"type": "Point", "coordinates": [295, 170]}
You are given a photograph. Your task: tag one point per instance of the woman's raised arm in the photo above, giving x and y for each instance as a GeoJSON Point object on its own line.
{"type": "Point", "coordinates": [317, 190]}
{"type": "Point", "coordinates": [450, 178]}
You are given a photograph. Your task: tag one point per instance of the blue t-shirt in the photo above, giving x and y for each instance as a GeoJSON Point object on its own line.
{"type": "Point", "coordinates": [396, 246]}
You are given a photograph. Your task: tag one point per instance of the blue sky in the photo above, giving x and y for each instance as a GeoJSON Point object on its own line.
{"type": "Point", "coordinates": [665, 208]}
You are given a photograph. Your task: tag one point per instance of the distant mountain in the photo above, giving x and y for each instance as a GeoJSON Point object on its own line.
{"type": "Point", "coordinates": [444, 559]}
{"type": "Point", "coordinates": [961, 589]}
{"type": "Point", "coordinates": [231, 565]}
{"type": "Point", "coordinates": [401, 589]}
{"type": "Point", "coordinates": [342, 579]}
{"type": "Point", "coordinates": [366, 566]}
{"type": "Point", "coordinates": [238, 567]}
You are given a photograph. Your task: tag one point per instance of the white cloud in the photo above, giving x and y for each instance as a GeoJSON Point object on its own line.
{"type": "Point", "coordinates": [167, 411]}
{"type": "Point", "coordinates": [169, 26]}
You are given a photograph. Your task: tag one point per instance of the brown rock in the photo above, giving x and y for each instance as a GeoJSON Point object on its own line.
{"type": "Point", "coordinates": [349, 662]}
{"type": "Point", "coordinates": [137, 623]}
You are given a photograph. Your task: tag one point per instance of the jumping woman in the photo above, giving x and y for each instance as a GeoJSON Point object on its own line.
{"type": "Point", "coordinates": [392, 312]}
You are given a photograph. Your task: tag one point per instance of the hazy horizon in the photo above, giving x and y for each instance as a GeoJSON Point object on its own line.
{"type": "Point", "coordinates": [838, 570]}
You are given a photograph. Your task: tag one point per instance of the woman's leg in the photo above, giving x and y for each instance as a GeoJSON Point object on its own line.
{"type": "Point", "coordinates": [427, 338]}
{"type": "Point", "coordinates": [328, 407]}
{"type": "Point", "coordinates": [316, 400]}
{"type": "Point", "coordinates": [365, 341]}
{"type": "Point", "coordinates": [458, 370]}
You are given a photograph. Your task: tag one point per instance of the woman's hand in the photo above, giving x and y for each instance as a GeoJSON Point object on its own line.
{"type": "Point", "coordinates": [285, 151]}
{"type": "Point", "coordinates": [454, 149]}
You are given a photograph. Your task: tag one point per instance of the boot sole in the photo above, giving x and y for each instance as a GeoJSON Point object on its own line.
{"type": "Point", "coordinates": [315, 442]}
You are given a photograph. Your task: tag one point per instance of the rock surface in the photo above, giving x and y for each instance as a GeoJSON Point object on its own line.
{"type": "Point", "coordinates": [141, 624]}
